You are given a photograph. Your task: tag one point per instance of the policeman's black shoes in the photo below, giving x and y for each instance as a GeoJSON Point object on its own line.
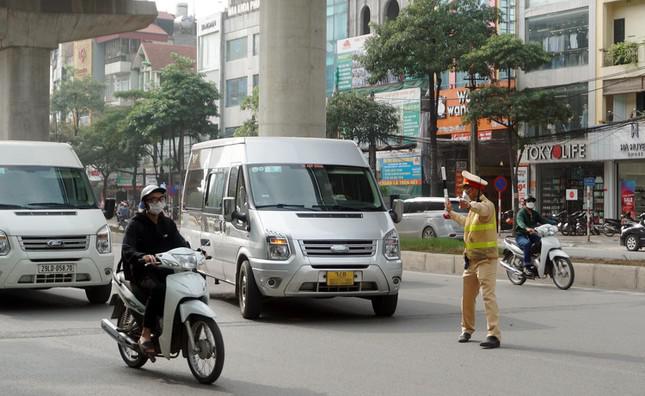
{"type": "Point", "coordinates": [464, 337]}
{"type": "Point", "coordinates": [490, 343]}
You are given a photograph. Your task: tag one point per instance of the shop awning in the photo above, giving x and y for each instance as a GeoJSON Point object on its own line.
{"type": "Point", "coordinates": [624, 85]}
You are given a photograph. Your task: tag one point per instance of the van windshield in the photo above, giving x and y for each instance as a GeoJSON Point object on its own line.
{"type": "Point", "coordinates": [313, 187]}
{"type": "Point", "coordinates": [44, 187]}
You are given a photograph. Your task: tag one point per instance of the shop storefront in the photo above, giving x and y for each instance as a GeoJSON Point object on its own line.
{"type": "Point", "coordinates": [611, 162]}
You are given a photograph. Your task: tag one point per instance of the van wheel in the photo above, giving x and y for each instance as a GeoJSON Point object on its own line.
{"type": "Point", "coordinates": [98, 294]}
{"type": "Point", "coordinates": [428, 233]}
{"type": "Point", "coordinates": [248, 293]}
{"type": "Point", "coordinates": [385, 305]}
{"type": "Point", "coordinates": [631, 242]}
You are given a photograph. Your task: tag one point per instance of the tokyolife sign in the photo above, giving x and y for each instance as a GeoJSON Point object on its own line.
{"type": "Point", "coordinates": [557, 152]}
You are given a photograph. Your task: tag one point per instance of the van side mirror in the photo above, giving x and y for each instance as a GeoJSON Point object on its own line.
{"type": "Point", "coordinates": [229, 207]}
{"type": "Point", "coordinates": [397, 211]}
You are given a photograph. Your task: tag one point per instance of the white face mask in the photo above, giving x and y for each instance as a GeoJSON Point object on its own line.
{"type": "Point", "coordinates": [465, 196]}
{"type": "Point", "coordinates": [530, 205]}
{"type": "Point", "coordinates": [156, 208]}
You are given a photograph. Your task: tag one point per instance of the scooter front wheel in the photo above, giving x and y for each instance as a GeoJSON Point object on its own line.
{"type": "Point", "coordinates": [562, 273]}
{"type": "Point", "coordinates": [516, 279]}
{"type": "Point", "coordinates": [207, 359]}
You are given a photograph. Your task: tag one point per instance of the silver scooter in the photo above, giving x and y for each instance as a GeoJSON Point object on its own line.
{"type": "Point", "coordinates": [548, 258]}
{"type": "Point", "coordinates": [188, 324]}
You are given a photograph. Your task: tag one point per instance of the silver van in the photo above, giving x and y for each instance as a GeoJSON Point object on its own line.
{"type": "Point", "coordinates": [292, 217]}
{"type": "Point", "coordinates": [423, 218]}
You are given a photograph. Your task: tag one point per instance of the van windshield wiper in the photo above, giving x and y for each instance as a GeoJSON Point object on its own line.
{"type": "Point", "coordinates": [11, 206]}
{"type": "Point", "coordinates": [283, 206]}
{"type": "Point", "coordinates": [350, 208]}
{"type": "Point", "coordinates": [49, 204]}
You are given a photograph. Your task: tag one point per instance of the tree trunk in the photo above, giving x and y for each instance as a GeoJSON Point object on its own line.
{"type": "Point", "coordinates": [372, 156]}
{"type": "Point", "coordinates": [435, 190]}
{"type": "Point", "coordinates": [105, 184]}
{"type": "Point", "coordinates": [511, 164]}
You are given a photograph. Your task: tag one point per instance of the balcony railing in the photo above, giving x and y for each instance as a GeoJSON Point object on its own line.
{"type": "Point", "coordinates": [624, 53]}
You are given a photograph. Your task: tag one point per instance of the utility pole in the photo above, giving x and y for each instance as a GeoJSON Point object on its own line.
{"type": "Point", "coordinates": [472, 155]}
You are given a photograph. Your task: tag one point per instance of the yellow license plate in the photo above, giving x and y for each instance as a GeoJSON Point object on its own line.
{"type": "Point", "coordinates": [340, 278]}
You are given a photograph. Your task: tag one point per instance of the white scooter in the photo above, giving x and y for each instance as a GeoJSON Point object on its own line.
{"type": "Point", "coordinates": [549, 259]}
{"type": "Point", "coordinates": [188, 323]}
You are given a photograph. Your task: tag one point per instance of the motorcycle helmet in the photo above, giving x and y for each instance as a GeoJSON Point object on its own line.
{"type": "Point", "coordinates": [149, 189]}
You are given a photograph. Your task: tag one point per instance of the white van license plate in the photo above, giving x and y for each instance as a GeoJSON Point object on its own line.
{"type": "Point", "coordinates": [55, 268]}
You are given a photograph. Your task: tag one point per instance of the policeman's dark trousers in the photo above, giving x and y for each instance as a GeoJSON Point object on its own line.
{"type": "Point", "coordinates": [525, 242]}
{"type": "Point", "coordinates": [480, 274]}
{"type": "Point", "coordinates": [154, 284]}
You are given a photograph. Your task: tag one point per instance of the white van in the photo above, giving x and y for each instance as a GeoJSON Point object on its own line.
{"type": "Point", "coordinates": [52, 233]}
{"type": "Point", "coordinates": [292, 217]}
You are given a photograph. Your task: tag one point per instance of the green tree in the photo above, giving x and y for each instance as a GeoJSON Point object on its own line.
{"type": "Point", "coordinates": [352, 116]}
{"type": "Point", "coordinates": [427, 38]}
{"type": "Point", "coordinates": [186, 103]}
{"type": "Point", "coordinates": [503, 103]}
{"type": "Point", "coordinates": [183, 105]}
{"type": "Point", "coordinates": [250, 126]}
{"type": "Point", "coordinates": [76, 97]}
{"type": "Point", "coordinates": [101, 145]}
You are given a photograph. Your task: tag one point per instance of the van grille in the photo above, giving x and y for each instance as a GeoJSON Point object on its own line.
{"type": "Point", "coordinates": [322, 287]}
{"type": "Point", "coordinates": [335, 248]}
{"type": "Point", "coordinates": [45, 213]}
{"type": "Point", "coordinates": [36, 244]}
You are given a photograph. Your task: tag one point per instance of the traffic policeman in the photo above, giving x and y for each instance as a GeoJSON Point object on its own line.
{"type": "Point", "coordinates": [480, 259]}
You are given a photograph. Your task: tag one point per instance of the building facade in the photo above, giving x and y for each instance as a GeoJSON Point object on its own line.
{"type": "Point", "coordinates": [595, 160]}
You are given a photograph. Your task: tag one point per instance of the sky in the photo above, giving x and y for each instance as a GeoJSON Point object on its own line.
{"type": "Point", "coordinates": [199, 8]}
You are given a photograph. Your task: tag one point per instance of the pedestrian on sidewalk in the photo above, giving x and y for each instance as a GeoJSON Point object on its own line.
{"type": "Point", "coordinates": [480, 259]}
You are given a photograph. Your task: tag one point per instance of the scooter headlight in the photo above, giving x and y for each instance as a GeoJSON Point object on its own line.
{"type": "Point", "coordinates": [5, 247]}
{"type": "Point", "coordinates": [188, 261]}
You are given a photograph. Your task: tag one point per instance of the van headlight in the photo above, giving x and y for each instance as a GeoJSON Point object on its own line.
{"type": "Point", "coordinates": [391, 245]}
{"type": "Point", "coordinates": [103, 240]}
{"type": "Point", "coordinates": [5, 247]}
{"type": "Point", "coordinates": [278, 248]}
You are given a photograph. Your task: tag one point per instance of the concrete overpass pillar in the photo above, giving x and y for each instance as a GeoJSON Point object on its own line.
{"type": "Point", "coordinates": [292, 68]}
{"type": "Point", "coordinates": [29, 30]}
{"type": "Point", "coordinates": [24, 93]}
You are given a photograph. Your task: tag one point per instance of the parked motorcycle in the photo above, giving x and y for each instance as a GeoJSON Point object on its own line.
{"type": "Point", "coordinates": [188, 324]}
{"type": "Point", "coordinates": [508, 220]}
{"type": "Point", "coordinates": [611, 227]}
{"type": "Point", "coordinates": [549, 259]}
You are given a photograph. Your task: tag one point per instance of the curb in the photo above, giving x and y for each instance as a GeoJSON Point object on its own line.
{"type": "Point", "coordinates": [601, 276]}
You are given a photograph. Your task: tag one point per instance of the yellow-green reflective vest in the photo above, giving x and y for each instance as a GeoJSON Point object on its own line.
{"type": "Point", "coordinates": [480, 234]}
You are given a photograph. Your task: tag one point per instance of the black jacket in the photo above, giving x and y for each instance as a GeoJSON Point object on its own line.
{"type": "Point", "coordinates": [145, 237]}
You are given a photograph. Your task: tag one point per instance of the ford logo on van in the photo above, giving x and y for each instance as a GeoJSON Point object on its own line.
{"type": "Point", "coordinates": [340, 248]}
{"type": "Point", "coordinates": [55, 243]}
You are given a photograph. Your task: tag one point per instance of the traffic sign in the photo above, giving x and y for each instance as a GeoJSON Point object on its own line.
{"type": "Point", "coordinates": [590, 181]}
{"type": "Point", "coordinates": [500, 184]}
{"type": "Point", "coordinates": [572, 194]}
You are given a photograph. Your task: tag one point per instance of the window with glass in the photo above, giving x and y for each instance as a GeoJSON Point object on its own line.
{"type": "Point", "coordinates": [565, 35]}
{"type": "Point", "coordinates": [209, 51]}
{"type": "Point", "coordinates": [45, 187]}
{"type": "Point", "coordinates": [575, 97]}
{"type": "Point", "coordinates": [256, 80]}
{"type": "Point", "coordinates": [631, 176]}
{"type": "Point", "coordinates": [236, 91]}
{"type": "Point", "coordinates": [215, 190]}
{"type": "Point", "coordinates": [120, 50]}
{"type": "Point", "coordinates": [313, 187]}
{"type": "Point", "coordinates": [256, 44]}
{"type": "Point", "coordinates": [194, 189]}
{"type": "Point", "coordinates": [230, 131]}
{"type": "Point", "coordinates": [507, 16]}
{"type": "Point", "coordinates": [236, 49]}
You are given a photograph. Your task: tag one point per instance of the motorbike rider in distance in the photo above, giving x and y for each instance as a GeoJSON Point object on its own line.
{"type": "Point", "coordinates": [150, 232]}
{"type": "Point", "coordinates": [527, 219]}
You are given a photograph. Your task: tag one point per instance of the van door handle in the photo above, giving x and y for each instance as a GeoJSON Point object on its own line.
{"type": "Point", "coordinates": [205, 242]}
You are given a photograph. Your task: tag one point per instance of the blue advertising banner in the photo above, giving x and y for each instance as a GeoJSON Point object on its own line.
{"type": "Point", "coordinates": [400, 171]}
